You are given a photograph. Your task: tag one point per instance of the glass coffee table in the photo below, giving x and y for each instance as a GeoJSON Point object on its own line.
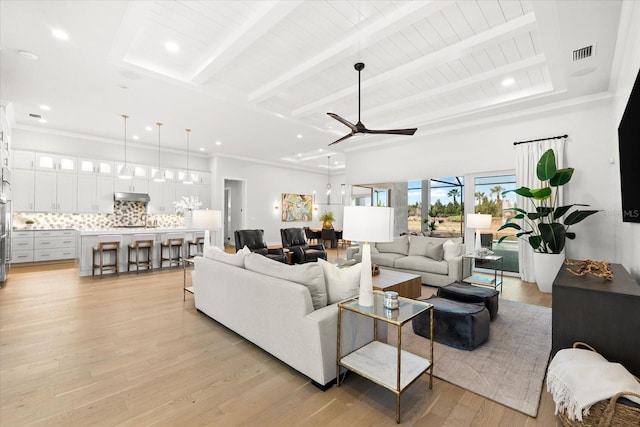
{"type": "Point", "coordinates": [384, 364]}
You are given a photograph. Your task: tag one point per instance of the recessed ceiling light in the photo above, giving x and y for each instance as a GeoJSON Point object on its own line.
{"type": "Point", "coordinates": [136, 137]}
{"type": "Point", "coordinates": [299, 136]}
{"type": "Point", "coordinates": [172, 47]}
{"type": "Point", "coordinates": [336, 162]}
{"type": "Point", "coordinates": [218, 143]}
{"type": "Point", "coordinates": [299, 154]}
{"type": "Point", "coordinates": [59, 34]}
{"type": "Point", "coordinates": [28, 55]}
{"type": "Point", "coordinates": [45, 107]}
{"type": "Point", "coordinates": [320, 150]}
{"type": "Point", "coordinates": [509, 81]}
{"type": "Point", "coordinates": [201, 148]}
{"type": "Point", "coordinates": [148, 128]}
{"type": "Point", "coordinates": [42, 120]}
{"type": "Point", "coordinates": [279, 115]}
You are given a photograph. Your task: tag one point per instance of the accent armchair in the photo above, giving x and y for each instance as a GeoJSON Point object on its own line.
{"type": "Point", "coordinates": [294, 240]}
{"type": "Point", "coordinates": [254, 240]}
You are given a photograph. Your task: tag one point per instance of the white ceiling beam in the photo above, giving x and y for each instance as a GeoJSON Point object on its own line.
{"type": "Point", "coordinates": [460, 84]}
{"type": "Point", "coordinates": [452, 52]}
{"type": "Point", "coordinates": [268, 15]}
{"type": "Point", "coordinates": [382, 28]}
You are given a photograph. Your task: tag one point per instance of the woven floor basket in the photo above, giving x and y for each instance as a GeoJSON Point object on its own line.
{"type": "Point", "coordinates": [606, 413]}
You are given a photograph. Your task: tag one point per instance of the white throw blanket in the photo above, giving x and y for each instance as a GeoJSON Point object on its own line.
{"type": "Point", "coordinates": [578, 378]}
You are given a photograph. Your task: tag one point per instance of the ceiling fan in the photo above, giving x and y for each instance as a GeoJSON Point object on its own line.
{"type": "Point", "coordinates": [359, 127]}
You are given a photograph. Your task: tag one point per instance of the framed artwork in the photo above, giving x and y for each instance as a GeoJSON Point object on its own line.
{"type": "Point", "coordinates": [297, 207]}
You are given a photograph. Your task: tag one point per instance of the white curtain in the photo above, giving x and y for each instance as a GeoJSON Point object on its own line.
{"type": "Point", "coordinates": [527, 156]}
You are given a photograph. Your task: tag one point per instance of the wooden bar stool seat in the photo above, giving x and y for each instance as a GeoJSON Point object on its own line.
{"type": "Point", "coordinates": [141, 246]}
{"type": "Point", "coordinates": [198, 242]}
{"type": "Point", "coordinates": [171, 249]}
{"type": "Point", "coordinates": [110, 245]}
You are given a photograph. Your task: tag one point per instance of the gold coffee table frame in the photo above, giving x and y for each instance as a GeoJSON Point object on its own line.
{"type": "Point", "coordinates": [391, 367]}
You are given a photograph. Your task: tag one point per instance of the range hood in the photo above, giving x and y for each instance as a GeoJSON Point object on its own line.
{"type": "Point", "coordinates": [131, 197]}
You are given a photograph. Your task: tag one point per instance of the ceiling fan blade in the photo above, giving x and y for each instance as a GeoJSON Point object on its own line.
{"type": "Point", "coordinates": [349, 135]}
{"type": "Point", "coordinates": [343, 121]}
{"type": "Point", "coordinates": [393, 131]}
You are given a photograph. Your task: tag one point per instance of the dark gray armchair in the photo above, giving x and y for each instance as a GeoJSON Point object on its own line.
{"type": "Point", "coordinates": [254, 240]}
{"type": "Point", "coordinates": [294, 240]}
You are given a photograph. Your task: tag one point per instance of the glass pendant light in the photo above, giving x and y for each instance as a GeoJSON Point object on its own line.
{"type": "Point", "coordinates": [158, 176]}
{"type": "Point", "coordinates": [187, 179]}
{"type": "Point", "coordinates": [125, 172]}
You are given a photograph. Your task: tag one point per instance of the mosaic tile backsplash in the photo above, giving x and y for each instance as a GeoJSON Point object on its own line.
{"type": "Point", "coordinates": [124, 214]}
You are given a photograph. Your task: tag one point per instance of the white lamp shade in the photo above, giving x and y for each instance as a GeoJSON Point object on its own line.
{"type": "Point", "coordinates": [207, 219]}
{"type": "Point", "coordinates": [479, 221]}
{"type": "Point", "coordinates": [368, 224]}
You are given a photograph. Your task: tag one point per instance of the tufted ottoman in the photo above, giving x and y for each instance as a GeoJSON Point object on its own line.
{"type": "Point", "coordinates": [465, 292]}
{"type": "Point", "coordinates": [456, 324]}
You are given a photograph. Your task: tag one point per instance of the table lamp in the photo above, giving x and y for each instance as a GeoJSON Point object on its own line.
{"type": "Point", "coordinates": [478, 222]}
{"type": "Point", "coordinates": [207, 220]}
{"type": "Point", "coordinates": [367, 224]}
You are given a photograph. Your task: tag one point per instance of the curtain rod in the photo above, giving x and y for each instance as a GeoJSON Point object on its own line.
{"type": "Point", "coordinates": [541, 139]}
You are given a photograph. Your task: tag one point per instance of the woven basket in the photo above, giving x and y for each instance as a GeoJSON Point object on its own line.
{"type": "Point", "coordinates": [606, 413]}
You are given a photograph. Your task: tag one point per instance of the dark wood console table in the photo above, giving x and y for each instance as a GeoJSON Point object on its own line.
{"type": "Point", "coordinates": [604, 314]}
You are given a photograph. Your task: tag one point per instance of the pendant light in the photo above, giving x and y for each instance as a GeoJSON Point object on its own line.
{"type": "Point", "coordinates": [328, 180]}
{"type": "Point", "coordinates": [187, 179]}
{"type": "Point", "coordinates": [158, 176]}
{"type": "Point", "coordinates": [125, 172]}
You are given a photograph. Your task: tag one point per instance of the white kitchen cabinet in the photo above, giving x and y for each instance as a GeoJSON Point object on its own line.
{"type": "Point", "coordinates": [23, 190]}
{"type": "Point", "coordinates": [55, 191]}
{"type": "Point", "coordinates": [95, 193]}
{"type": "Point", "coordinates": [99, 167]}
{"type": "Point", "coordinates": [51, 162]}
{"type": "Point", "coordinates": [133, 185]}
{"type": "Point", "coordinates": [23, 159]}
{"type": "Point", "coordinates": [43, 245]}
{"type": "Point", "coordinates": [162, 195]}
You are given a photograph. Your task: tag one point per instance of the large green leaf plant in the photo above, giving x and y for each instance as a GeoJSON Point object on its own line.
{"type": "Point", "coordinates": [542, 229]}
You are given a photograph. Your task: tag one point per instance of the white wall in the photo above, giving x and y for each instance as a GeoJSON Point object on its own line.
{"type": "Point", "coordinates": [484, 148]}
{"type": "Point", "coordinates": [264, 186]}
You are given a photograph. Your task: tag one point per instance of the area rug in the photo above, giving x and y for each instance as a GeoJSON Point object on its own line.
{"type": "Point", "coordinates": [509, 368]}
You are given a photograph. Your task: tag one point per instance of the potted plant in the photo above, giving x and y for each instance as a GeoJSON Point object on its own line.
{"type": "Point", "coordinates": [543, 229]}
{"type": "Point", "coordinates": [327, 220]}
{"type": "Point", "coordinates": [29, 223]}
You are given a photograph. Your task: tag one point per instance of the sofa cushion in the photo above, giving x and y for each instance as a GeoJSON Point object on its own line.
{"type": "Point", "coordinates": [451, 249]}
{"type": "Point", "coordinates": [435, 251]}
{"type": "Point", "coordinates": [309, 274]}
{"type": "Point", "coordinates": [418, 245]}
{"type": "Point", "coordinates": [422, 263]}
{"type": "Point", "coordinates": [218, 254]}
{"type": "Point", "coordinates": [385, 259]}
{"type": "Point", "coordinates": [400, 245]}
{"type": "Point", "coordinates": [342, 283]}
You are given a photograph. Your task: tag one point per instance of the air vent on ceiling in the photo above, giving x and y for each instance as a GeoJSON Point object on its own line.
{"type": "Point", "coordinates": [35, 116]}
{"type": "Point", "coordinates": [584, 52]}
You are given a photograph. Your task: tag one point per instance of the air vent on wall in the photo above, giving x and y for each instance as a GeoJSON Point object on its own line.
{"type": "Point", "coordinates": [584, 52]}
{"type": "Point", "coordinates": [35, 116]}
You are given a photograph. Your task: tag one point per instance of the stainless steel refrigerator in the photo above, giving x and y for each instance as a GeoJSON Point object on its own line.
{"type": "Point", "coordinates": [5, 239]}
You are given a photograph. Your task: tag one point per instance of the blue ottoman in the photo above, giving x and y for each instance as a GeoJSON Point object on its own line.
{"type": "Point", "coordinates": [465, 292]}
{"type": "Point", "coordinates": [457, 324]}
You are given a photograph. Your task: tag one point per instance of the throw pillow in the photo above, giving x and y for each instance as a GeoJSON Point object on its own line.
{"type": "Point", "coordinates": [400, 245]}
{"type": "Point", "coordinates": [342, 283]}
{"type": "Point", "coordinates": [309, 275]}
{"type": "Point", "coordinates": [418, 246]}
{"type": "Point", "coordinates": [451, 249]}
{"type": "Point", "coordinates": [435, 251]}
{"type": "Point", "coordinates": [218, 254]}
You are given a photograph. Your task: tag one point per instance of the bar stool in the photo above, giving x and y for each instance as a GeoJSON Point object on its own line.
{"type": "Point", "coordinates": [173, 244]}
{"type": "Point", "coordinates": [140, 243]}
{"type": "Point", "coordinates": [106, 244]}
{"type": "Point", "coordinates": [198, 242]}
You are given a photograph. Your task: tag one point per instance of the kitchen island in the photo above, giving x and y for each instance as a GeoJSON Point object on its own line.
{"type": "Point", "coordinates": [87, 239]}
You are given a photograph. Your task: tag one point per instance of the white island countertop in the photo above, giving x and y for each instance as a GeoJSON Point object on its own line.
{"type": "Point", "coordinates": [136, 230]}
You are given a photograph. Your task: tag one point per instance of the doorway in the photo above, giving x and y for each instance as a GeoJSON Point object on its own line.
{"type": "Point", "coordinates": [234, 207]}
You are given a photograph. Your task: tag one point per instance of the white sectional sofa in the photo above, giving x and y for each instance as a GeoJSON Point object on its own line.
{"type": "Point", "coordinates": [438, 260]}
{"type": "Point", "coordinates": [280, 308]}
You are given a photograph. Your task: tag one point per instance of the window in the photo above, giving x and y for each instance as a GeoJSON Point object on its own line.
{"type": "Point", "coordinates": [414, 208]}
{"type": "Point", "coordinates": [447, 206]}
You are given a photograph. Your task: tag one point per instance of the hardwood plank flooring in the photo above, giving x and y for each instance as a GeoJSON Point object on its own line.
{"type": "Point", "coordinates": [127, 350]}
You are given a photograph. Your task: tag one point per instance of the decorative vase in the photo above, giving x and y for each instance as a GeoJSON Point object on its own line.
{"type": "Point", "coordinates": [188, 218]}
{"type": "Point", "coordinates": [545, 268]}
{"type": "Point", "coordinates": [327, 224]}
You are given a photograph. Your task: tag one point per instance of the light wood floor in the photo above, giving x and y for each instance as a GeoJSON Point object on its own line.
{"type": "Point", "coordinates": [128, 351]}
